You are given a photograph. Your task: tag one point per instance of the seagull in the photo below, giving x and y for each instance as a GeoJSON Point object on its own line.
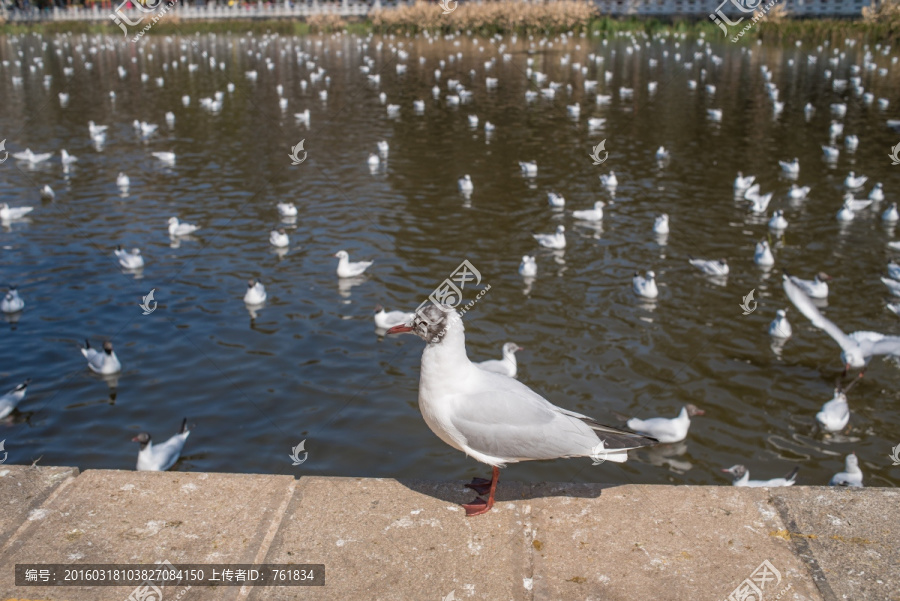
{"type": "Point", "coordinates": [31, 157]}
{"type": "Point", "coordinates": [835, 414]}
{"type": "Point", "coordinates": [595, 214]}
{"type": "Point", "coordinates": [814, 288]}
{"type": "Point", "coordinates": [506, 366]}
{"type": "Point", "coordinates": [780, 326]}
{"type": "Point", "coordinates": [129, 260]}
{"type": "Point", "coordinates": [836, 129]}
{"type": "Point", "coordinates": [465, 184]}
{"type": "Point", "coordinates": [857, 348]}
{"type": "Point", "coordinates": [286, 209]}
{"type": "Point", "coordinates": [778, 222]}
{"type": "Point", "coordinates": [610, 181]}
{"type": "Point", "coordinates": [831, 153]}
{"type": "Point", "coordinates": [47, 193]}
{"type": "Point", "coordinates": [763, 255]}
{"type": "Point", "coordinates": [96, 130]}
{"type": "Point", "coordinates": [11, 214]}
{"type": "Point", "coordinates": [181, 229]}
{"type": "Point", "coordinates": [662, 154]}
{"type": "Point", "coordinates": [742, 478]}
{"type": "Point", "coordinates": [346, 269]}
{"type": "Point", "coordinates": [790, 168]}
{"type": "Point", "coordinates": [256, 293]}
{"type": "Point", "coordinates": [716, 267]}
{"type": "Point", "coordinates": [595, 122]}
{"type": "Point", "coordinates": [846, 213]}
{"type": "Point", "coordinates": [741, 183]}
{"type": "Point", "coordinates": [161, 457]}
{"type": "Point", "coordinates": [66, 158]}
{"type": "Point", "coordinates": [12, 398]}
{"type": "Point", "coordinates": [493, 418]}
{"type": "Point", "coordinates": [383, 148]}
{"type": "Point", "coordinates": [123, 181]}
{"type": "Point", "coordinates": [165, 157]}
{"type": "Point", "coordinates": [798, 193]}
{"type": "Point", "coordinates": [555, 241]}
{"type": "Point", "coordinates": [557, 201]}
{"type": "Point", "coordinates": [893, 285]}
{"type": "Point", "coordinates": [574, 110]}
{"type": "Point", "coordinates": [877, 193]}
{"type": "Point", "coordinates": [890, 214]}
{"type": "Point", "coordinates": [528, 169]}
{"type": "Point", "coordinates": [373, 160]}
{"type": "Point", "coordinates": [666, 430]}
{"type": "Point", "coordinates": [851, 476]}
{"type": "Point", "coordinates": [528, 267]}
{"type": "Point", "coordinates": [303, 117]}
{"type": "Point", "coordinates": [102, 363]}
{"type": "Point", "coordinates": [855, 182]}
{"type": "Point", "coordinates": [661, 225]}
{"type": "Point", "coordinates": [145, 129]}
{"type": "Point", "coordinates": [279, 238]}
{"type": "Point", "coordinates": [12, 302]}
{"type": "Point", "coordinates": [714, 114]}
{"type": "Point", "coordinates": [387, 320]}
{"type": "Point", "coordinates": [854, 204]}
{"type": "Point", "coordinates": [759, 204]}
{"type": "Point", "coordinates": [894, 270]}
{"type": "Point", "coordinates": [473, 120]}
{"type": "Point", "coordinates": [644, 287]}
{"type": "Point", "coordinates": [851, 142]}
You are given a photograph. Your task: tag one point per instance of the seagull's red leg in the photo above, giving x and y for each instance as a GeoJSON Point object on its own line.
{"type": "Point", "coordinates": [478, 506]}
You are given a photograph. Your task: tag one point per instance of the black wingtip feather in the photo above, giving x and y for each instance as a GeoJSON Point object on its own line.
{"type": "Point", "coordinates": [793, 473]}
{"type": "Point", "coordinates": [183, 426]}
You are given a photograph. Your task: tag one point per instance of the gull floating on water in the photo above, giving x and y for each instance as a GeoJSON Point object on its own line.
{"type": "Point", "coordinates": [666, 430]}
{"type": "Point", "coordinates": [798, 193]}
{"type": "Point", "coordinates": [852, 181]}
{"type": "Point", "coordinates": [556, 200]}
{"type": "Point", "coordinates": [30, 157]}
{"type": "Point", "coordinates": [129, 259]}
{"type": "Point", "coordinates": [508, 366]}
{"type": "Point", "coordinates": [465, 184]}
{"type": "Point", "coordinates": [762, 256]}
{"type": "Point", "coordinates": [742, 478]}
{"type": "Point", "coordinates": [778, 222]}
{"type": "Point", "coordinates": [495, 419]}
{"type": "Point", "coordinates": [555, 241]}
{"type": "Point", "coordinates": [717, 267]}
{"type": "Point", "coordinates": [279, 238]}
{"type": "Point", "coordinates": [286, 209]}
{"type": "Point", "coordinates": [256, 293]}
{"type": "Point", "coordinates": [595, 214]}
{"type": "Point", "coordinates": [104, 362]}
{"type": "Point", "coordinates": [780, 326]}
{"type": "Point", "coordinates": [528, 267]}
{"type": "Point", "coordinates": [610, 181]}
{"type": "Point", "coordinates": [123, 181]}
{"type": "Point", "coordinates": [851, 476]}
{"type": "Point", "coordinates": [528, 169]}
{"type": "Point", "coordinates": [741, 183]}
{"type": "Point", "coordinates": [645, 287]}
{"type": "Point", "coordinates": [159, 458]}
{"type": "Point", "coordinates": [373, 161]}
{"type": "Point", "coordinates": [846, 213]}
{"type": "Point", "coordinates": [181, 229]}
{"type": "Point", "coordinates": [66, 158]}
{"type": "Point", "coordinates": [96, 130]}
{"type": "Point", "coordinates": [877, 193]}
{"type": "Point", "coordinates": [661, 225]}
{"type": "Point", "coordinates": [891, 214]}
{"type": "Point", "coordinates": [47, 193]}
{"type": "Point", "coordinates": [11, 399]}
{"type": "Point", "coordinates": [832, 153]}
{"type": "Point", "coordinates": [12, 302]}
{"type": "Point", "coordinates": [835, 414]}
{"type": "Point", "coordinates": [662, 154]}
{"type": "Point", "coordinates": [857, 348]}
{"type": "Point", "coordinates": [346, 269]}
{"type": "Point", "coordinates": [790, 168]}
{"type": "Point", "coordinates": [165, 157]}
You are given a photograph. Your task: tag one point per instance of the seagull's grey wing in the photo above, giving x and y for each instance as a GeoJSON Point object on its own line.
{"type": "Point", "coordinates": [812, 313]}
{"type": "Point", "coordinates": [887, 345]}
{"type": "Point", "coordinates": [505, 418]}
{"type": "Point", "coordinates": [166, 453]}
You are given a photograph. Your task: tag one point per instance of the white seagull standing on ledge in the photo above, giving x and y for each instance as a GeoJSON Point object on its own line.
{"type": "Point", "coordinates": [494, 418]}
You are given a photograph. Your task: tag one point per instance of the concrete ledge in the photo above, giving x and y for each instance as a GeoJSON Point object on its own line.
{"type": "Point", "coordinates": [390, 540]}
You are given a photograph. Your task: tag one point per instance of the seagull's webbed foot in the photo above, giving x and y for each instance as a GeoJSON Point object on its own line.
{"type": "Point", "coordinates": [477, 507]}
{"type": "Point", "coordinates": [482, 486]}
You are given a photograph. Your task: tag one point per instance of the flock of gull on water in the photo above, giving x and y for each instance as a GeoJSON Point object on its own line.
{"type": "Point", "coordinates": [480, 408]}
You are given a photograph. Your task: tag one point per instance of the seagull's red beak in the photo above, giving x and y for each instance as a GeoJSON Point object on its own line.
{"type": "Point", "coordinates": [401, 329]}
{"type": "Point", "coordinates": [135, 439]}
{"type": "Point", "coordinates": [727, 471]}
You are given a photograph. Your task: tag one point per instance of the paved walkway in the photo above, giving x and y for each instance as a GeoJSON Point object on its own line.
{"type": "Point", "coordinates": [409, 541]}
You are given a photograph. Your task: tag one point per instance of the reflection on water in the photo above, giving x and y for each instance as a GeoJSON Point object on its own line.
{"type": "Point", "coordinates": [309, 366]}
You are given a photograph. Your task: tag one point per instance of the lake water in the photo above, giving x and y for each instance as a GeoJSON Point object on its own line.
{"type": "Point", "coordinates": [310, 365]}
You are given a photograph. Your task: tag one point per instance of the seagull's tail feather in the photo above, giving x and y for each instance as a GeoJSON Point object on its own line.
{"type": "Point", "coordinates": [793, 475]}
{"type": "Point", "coordinates": [616, 439]}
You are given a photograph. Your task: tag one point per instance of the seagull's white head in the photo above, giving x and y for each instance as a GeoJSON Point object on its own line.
{"type": "Point", "coordinates": [560, 229]}
{"type": "Point", "coordinates": [651, 275]}
{"type": "Point", "coordinates": [511, 347]}
{"type": "Point", "coordinates": [342, 254]}
{"type": "Point", "coordinates": [853, 358]}
{"type": "Point", "coordinates": [173, 220]}
{"type": "Point", "coordinates": [852, 462]}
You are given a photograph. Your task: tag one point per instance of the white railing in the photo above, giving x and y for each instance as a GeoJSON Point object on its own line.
{"type": "Point", "coordinates": [307, 8]}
